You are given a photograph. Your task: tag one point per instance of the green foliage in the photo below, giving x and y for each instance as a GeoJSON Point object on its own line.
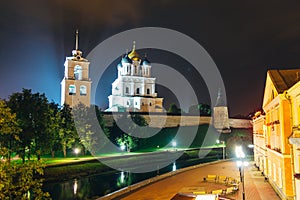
{"type": "Point", "coordinates": [21, 181]}
{"type": "Point", "coordinates": [32, 111]}
{"type": "Point", "coordinates": [174, 109]}
{"type": "Point", "coordinates": [127, 141]}
{"type": "Point", "coordinates": [200, 109]}
{"type": "Point", "coordinates": [89, 124]}
{"type": "Point", "coordinates": [9, 131]}
{"type": "Point", "coordinates": [67, 134]}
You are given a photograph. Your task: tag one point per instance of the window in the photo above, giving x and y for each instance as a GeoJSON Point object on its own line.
{"type": "Point", "coordinates": [128, 103]}
{"type": "Point", "coordinates": [82, 90]}
{"type": "Point", "coordinates": [137, 90]}
{"type": "Point", "coordinates": [78, 72]}
{"type": "Point", "coordinates": [72, 90]}
{"type": "Point", "coordinates": [150, 104]}
{"type": "Point", "coordinates": [148, 91]}
{"type": "Point", "coordinates": [127, 90]}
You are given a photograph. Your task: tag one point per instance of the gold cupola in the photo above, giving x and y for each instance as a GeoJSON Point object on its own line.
{"type": "Point", "coordinates": [133, 55]}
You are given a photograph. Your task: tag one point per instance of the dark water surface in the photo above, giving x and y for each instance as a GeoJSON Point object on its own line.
{"type": "Point", "coordinates": [91, 187]}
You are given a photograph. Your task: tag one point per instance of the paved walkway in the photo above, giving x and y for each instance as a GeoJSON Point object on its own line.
{"type": "Point", "coordinates": [255, 186]}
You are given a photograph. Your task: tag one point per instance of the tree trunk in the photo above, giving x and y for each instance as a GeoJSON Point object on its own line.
{"type": "Point", "coordinates": [53, 154]}
{"type": "Point", "coordinates": [65, 149]}
{"type": "Point", "coordinates": [38, 154]}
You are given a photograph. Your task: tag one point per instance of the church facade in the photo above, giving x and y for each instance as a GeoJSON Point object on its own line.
{"type": "Point", "coordinates": [134, 88]}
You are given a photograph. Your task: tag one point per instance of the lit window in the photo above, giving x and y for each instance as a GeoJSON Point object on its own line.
{"type": "Point", "coordinates": [72, 90]}
{"type": "Point", "coordinates": [83, 90]}
{"type": "Point", "coordinates": [78, 72]}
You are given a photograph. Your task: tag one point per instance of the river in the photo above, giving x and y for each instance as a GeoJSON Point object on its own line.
{"type": "Point", "coordinates": [91, 187]}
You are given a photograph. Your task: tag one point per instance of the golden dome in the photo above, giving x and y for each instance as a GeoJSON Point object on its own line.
{"type": "Point", "coordinates": [133, 55]}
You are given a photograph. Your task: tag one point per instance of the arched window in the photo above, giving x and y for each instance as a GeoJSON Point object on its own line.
{"type": "Point", "coordinates": [78, 72]}
{"type": "Point", "coordinates": [137, 90]}
{"type": "Point", "coordinates": [82, 90]}
{"type": "Point", "coordinates": [72, 90]}
{"type": "Point", "coordinates": [127, 90]}
{"type": "Point", "coordinates": [150, 104]}
{"type": "Point", "coordinates": [148, 91]}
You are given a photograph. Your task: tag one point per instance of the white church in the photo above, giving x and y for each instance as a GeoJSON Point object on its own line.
{"type": "Point", "coordinates": [134, 88]}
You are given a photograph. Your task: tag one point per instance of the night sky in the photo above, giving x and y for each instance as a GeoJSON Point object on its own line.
{"type": "Point", "coordinates": [244, 39]}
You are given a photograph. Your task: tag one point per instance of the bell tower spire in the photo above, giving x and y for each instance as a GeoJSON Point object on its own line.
{"type": "Point", "coordinates": [76, 84]}
{"type": "Point", "coordinates": [76, 42]}
{"type": "Point", "coordinates": [77, 53]}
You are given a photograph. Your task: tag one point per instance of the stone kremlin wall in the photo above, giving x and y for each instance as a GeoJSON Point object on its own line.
{"type": "Point", "coordinates": [163, 121]}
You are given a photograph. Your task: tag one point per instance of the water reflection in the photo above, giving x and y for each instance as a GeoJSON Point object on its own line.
{"type": "Point", "coordinates": [124, 179]}
{"type": "Point", "coordinates": [174, 167]}
{"type": "Point", "coordinates": [75, 187]}
{"type": "Point", "coordinates": [91, 187]}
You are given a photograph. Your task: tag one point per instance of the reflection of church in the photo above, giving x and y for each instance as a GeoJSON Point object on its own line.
{"type": "Point", "coordinates": [134, 89]}
{"type": "Point", "coordinates": [76, 84]}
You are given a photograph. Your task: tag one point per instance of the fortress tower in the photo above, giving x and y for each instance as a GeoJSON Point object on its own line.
{"type": "Point", "coordinates": [220, 116]}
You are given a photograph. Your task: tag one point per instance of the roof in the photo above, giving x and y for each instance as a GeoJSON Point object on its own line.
{"type": "Point", "coordinates": [284, 79]}
{"type": "Point", "coordinates": [221, 102]}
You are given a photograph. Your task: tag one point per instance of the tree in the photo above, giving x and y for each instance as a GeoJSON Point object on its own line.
{"type": "Point", "coordinates": [127, 142]}
{"type": "Point", "coordinates": [9, 130]}
{"type": "Point", "coordinates": [128, 126]}
{"type": "Point", "coordinates": [202, 109]}
{"type": "Point", "coordinates": [174, 109]}
{"type": "Point", "coordinates": [22, 181]}
{"type": "Point", "coordinates": [54, 128]}
{"type": "Point", "coordinates": [89, 121]}
{"type": "Point", "coordinates": [67, 131]}
{"type": "Point", "coordinates": [32, 111]}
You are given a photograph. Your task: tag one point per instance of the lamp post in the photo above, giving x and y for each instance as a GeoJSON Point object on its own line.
{"type": "Point", "coordinates": [241, 163]}
{"type": "Point", "coordinates": [76, 151]}
{"type": "Point", "coordinates": [223, 148]}
{"type": "Point", "coordinates": [174, 144]}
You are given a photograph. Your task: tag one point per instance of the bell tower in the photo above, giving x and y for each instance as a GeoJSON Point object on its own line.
{"type": "Point", "coordinates": [76, 84]}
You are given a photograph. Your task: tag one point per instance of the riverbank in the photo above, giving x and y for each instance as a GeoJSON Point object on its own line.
{"type": "Point", "coordinates": [81, 167]}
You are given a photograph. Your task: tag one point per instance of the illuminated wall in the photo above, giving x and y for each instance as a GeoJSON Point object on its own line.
{"type": "Point", "coordinates": [281, 107]}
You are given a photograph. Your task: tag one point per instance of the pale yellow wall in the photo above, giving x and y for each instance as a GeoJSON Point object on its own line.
{"type": "Point", "coordinates": [277, 108]}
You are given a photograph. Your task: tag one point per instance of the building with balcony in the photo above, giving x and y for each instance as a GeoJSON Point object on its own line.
{"type": "Point", "coordinates": [279, 131]}
{"type": "Point", "coordinates": [259, 140]}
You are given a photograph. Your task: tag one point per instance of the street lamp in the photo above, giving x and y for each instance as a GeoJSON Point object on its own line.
{"type": "Point", "coordinates": [241, 163]}
{"type": "Point", "coordinates": [174, 144]}
{"type": "Point", "coordinates": [76, 151]}
{"type": "Point", "coordinates": [223, 147]}
{"type": "Point", "coordinates": [123, 147]}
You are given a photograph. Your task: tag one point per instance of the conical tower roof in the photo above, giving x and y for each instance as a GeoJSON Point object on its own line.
{"type": "Point", "coordinates": [221, 102]}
